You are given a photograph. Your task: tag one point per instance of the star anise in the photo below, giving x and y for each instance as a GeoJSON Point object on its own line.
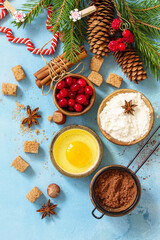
{"type": "Point", "coordinates": [32, 116]}
{"type": "Point", "coordinates": [129, 107]}
{"type": "Point", "coordinates": [47, 209]}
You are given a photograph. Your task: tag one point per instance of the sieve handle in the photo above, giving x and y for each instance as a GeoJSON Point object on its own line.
{"type": "Point", "coordinates": [95, 215]}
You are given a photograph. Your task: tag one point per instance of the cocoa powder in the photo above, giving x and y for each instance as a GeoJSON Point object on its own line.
{"type": "Point", "coordinates": [115, 189]}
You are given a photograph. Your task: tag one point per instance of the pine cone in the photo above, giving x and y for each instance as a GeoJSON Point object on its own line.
{"type": "Point", "coordinates": [99, 27]}
{"type": "Point", "coordinates": [131, 64]}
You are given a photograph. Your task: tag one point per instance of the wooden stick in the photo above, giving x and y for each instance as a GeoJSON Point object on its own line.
{"type": "Point", "coordinates": [9, 7]}
{"type": "Point", "coordinates": [47, 79]}
{"type": "Point", "coordinates": [87, 11]}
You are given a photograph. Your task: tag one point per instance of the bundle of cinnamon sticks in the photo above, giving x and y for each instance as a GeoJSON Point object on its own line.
{"type": "Point", "coordinates": [43, 76]}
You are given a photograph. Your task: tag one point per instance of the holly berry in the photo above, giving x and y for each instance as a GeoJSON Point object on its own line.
{"type": "Point", "coordinates": [122, 47]}
{"type": "Point", "coordinates": [126, 33]}
{"type": "Point", "coordinates": [71, 94]}
{"type": "Point", "coordinates": [82, 82]}
{"type": "Point", "coordinates": [81, 90]}
{"type": "Point", "coordinates": [71, 102]}
{"type": "Point", "coordinates": [81, 99]}
{"type": "Point", "coordinates": [63, 92]}
{"type": "Point", "coordinates": [75, 87]}
{"type": "Point", "coordinates": [88, 90]}
{"type": "Point", "coordinates": [78, 107]}
{"type": "Point", "coordinates": [61, 84]}
{"type": "Point", "coordinates": [62, 102]}
{"type": "Point", "coordinates": [113, 46]}
{"type": "Point", "coordinates": [69, 81]}
{"type": "Point", "coordinates": [58, 96]}
{"type": "Point", "coordinates": [116, 24]}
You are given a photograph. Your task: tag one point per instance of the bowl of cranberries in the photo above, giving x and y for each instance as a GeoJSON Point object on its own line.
{"type": "Point", "coordinates": [74, 95]}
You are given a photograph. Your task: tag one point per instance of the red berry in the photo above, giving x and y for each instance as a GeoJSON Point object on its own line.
{"type": "Point", "coordinates": [86, 103]}
{"type": "Point", "coordinates": [74, 80]}
{"type": "Point", "coordinates": [129, 39]}
{"type": "Point", "coordinates": [82, 82]}
{"type": "Point", "coordinates": [81, 98]}
{"type": "Point", "coordinates": [71, 109]}
{"type": "Point", "coordinates": [61, 84]}
{"type": "Point", "coordinates": [71, 94]}
{"type": "Point", "coordinates": [88, 90]}
{"type": "Point", "coordinates": [58, 96]}
{"type": "Point", "coordinates": [87, 96]}
{"type": "Point", "coordinates": [113, 46]}
{"type": "Point", "coordinates": [126, 33]}
{"type": "Point", "coordinates": [78, 107]}
{"type": "Point", "coordinates": [122, 47]}
{"type": "Point", "coordinates": [63, 92]}
{"type": "Point", "coordinates": [71, 102]}
{"type": "Point", "coordinates": [62, 102]}
{"type": "Point", "coordinates": [81, 90]}
{"type": "Point", "coordinates": [116, 24]}
{"type": "Point", "coordinates": [69, 81]}
{"type": "Point", "coordinates": [75, 87]}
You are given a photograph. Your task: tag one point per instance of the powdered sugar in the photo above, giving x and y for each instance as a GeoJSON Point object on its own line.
{"type": "Point", "coordinates": [122, 126]}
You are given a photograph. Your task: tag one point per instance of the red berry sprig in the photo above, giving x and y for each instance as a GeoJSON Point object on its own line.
{"type": "Point", "coordinates": [73, 94]}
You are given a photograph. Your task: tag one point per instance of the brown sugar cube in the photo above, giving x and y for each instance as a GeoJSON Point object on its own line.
{"type": "Point", "coordinates": [34, 194]}
{"type": "Point", "coordinates": [96, 78]}
{"type": "Point", "coordinates": [31, 146]}
{"type": "Point", "coordinates": [20, 164]}
{"type": "Point", "coordinates": [9, 89]}
{"type": "Point", "coordinates": [18, 73]}
{"type": "Point", "coordinates": [96, 63]}
{"type": "Point", "coordinates": [114, 80]}
{"type": "Point", "coordinates": [59, 118]}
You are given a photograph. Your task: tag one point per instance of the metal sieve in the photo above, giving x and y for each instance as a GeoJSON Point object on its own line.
{"type": "Point", "coordinates": [110, 211]}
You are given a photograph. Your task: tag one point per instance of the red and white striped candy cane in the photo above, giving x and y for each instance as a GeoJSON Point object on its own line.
{"type": "Point", "coordinates": [27, 41]}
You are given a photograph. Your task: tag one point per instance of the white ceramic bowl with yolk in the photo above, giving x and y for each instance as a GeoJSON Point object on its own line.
{"type": "Point", "coordinates": [76, 151]}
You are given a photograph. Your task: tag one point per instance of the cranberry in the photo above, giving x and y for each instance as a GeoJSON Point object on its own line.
{"type": "Point", "coordinates": [62, 102]}
{"type": "Point", "coordinates": [71, 109]}
{"type": "Point", "coordinates": [71, 102]}
{"type": "Point", "coordinates": [81, 98]}
{"type": "Point", "coordinates": [71, 94]}
{"type": "Point", "coordinates": [87, 96]}
{"type": "Point", "coordinates": [82, 82]}
{"type": "Point", "coordinates": [86, 103]}
{"type": "Point", "coordinates": [78, 107]}
{"type": "Point", "coordinates": [74, 80]}
{"type": "Point", "coordinates": [88, 90]}
{"type": "Point", "coordinates": [61, 84]}
{"type": "Point", "coordinates": [69, 81]}
{"type": "Point", "coordinates": [81, 90]}
{"type": "Point", "coordinates": [63, 92]}
{"type": "Point", "coordinates": [58, 96]}
{"type": "Point", "coordinates": [75, 87]}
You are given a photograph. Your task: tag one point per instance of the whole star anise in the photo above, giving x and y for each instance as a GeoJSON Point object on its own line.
{"type": "Point", "coordinates": [32, 116]}
{"type": "Point", "coordinates": [47, 209]}
{"type": "Point", "coordinates": [129, 107]}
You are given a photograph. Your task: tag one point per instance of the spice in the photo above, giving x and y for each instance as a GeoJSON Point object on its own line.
{"type": "Point", "coordinates": [32, 116]}
{"type": "Point", "coordinates": [115, 189]}
{"type": "Point", "coordinates": [129, 107]}
{"type": "Point", "coordinates": [47, 209]}
{"type": "Point", "coordinates": [125, 127]}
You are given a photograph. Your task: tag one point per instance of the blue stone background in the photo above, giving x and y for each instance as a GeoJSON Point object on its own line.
{"type": "Point", "coordinates": [18, 217]}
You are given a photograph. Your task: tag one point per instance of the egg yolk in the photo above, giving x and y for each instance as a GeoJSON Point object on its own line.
{"type": "Point", "coordinates": [78, 154]}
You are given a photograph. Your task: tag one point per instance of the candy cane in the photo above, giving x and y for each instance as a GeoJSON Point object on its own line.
{"type": "Point", "coordinates": [27, 41]}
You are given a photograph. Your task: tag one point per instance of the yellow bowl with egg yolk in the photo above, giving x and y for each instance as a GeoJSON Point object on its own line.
{"type": "Point", "coordinates": [76, 151]}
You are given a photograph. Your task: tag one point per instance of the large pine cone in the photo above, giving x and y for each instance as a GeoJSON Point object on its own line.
{"type": "Point", "coordinates": [131, 64]}
{"type": "Point", "coordinates": [99, 27]}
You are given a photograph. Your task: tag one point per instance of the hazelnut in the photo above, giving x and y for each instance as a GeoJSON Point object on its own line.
{"type": "Point", "coordinates": [59, 117]}
{"type": "Point", "coordinates": [53, 190]}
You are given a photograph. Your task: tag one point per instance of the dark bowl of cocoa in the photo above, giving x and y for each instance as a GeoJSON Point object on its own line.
{"type": "Point", "coordinates": [115, 191]}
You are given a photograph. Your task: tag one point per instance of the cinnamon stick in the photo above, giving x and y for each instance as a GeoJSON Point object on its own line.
{"type": "Point", "coordinates": [47, 79]}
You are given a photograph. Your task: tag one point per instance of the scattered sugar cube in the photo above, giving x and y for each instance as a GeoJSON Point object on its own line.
{"type": "Point", "coordinates": [9, 89]}
{"type": "Point", "coordinates": [114, 80]}
{"type": "Point", "coordinates": [18, 73]}
{"type": "Point", "coordinates": [96, 78]}
{"type": "Point", "coordinates": [20, 164]}
{"type": "Point", "coordinates": [96, 63]}
{"type": "Point", "coordinates": [31, 146]}
{"type": "Point", "coordinates": [34, 194]}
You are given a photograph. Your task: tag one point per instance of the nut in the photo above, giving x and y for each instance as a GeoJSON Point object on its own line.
{"type": "Point", "coordinates": [59, 117]}
{"type": "Point", "coordinates": [53, 190]}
